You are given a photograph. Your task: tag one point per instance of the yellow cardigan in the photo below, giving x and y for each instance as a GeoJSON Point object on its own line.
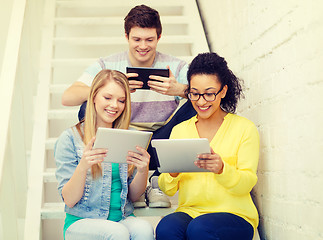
{"type": "Point", "coordinates": [237, 142]}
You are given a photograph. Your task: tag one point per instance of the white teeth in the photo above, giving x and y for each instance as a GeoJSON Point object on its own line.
{"type": "Point", "coordinates": [142, 52]}
{"type": "Point", "coordinates": [111, 112]}
{"type": "Point", "coordinates": [204, 108]}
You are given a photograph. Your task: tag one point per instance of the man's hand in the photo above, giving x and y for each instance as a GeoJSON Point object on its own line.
{"type": "Point", "coordinates": [167, 86]}
{"type": "Point", "coordinates": [133, 84]}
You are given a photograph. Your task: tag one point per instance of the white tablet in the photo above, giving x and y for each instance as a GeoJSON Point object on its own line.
{"type": "Point", "coordinates": [119, 142]}
{"type": "Point", "coordinates": [179, 155]}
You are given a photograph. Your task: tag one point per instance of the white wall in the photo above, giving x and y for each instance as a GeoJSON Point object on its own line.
{"type": "Point", "coordinates": [276, 47]}
{"type": "Point", "coordinates": [5, 13]}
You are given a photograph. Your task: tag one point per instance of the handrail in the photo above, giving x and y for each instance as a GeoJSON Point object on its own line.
{"type": "Point", "coordinates": [32, 228]}
{"type": "Point", "coordinates": [8, 73]}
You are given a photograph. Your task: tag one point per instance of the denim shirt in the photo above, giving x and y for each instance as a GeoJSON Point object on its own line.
{"type": "Point", "coordinates": [95, 200]}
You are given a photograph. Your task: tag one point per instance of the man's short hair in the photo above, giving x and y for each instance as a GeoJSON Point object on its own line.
{"type": "Point", "coordinates": [144, 17]}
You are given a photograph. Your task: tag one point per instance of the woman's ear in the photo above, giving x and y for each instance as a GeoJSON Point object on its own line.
{"type": "Point", "coordinates": [224, 91]}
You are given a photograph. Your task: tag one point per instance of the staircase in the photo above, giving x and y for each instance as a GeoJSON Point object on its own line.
{"type": "Point", "coordinates": [74, 35]}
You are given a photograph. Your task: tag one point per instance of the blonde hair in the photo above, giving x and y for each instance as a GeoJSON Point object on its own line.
{"type": "Point", "coordinates": [90, 120]}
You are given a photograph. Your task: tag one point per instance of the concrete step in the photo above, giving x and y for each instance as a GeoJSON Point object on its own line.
{"type": "Point", "coordinates": [166, 20]}
{"type": "Point", "coordinates": [71, 62]}
{"type": "Point", "coordinates": [178, 39]}
{"type": "Point", "coordinates": [58, 88]}
{"type": "Point", "coordinates": [68, 113]}
{"type": "Point", "coordinates": [50, 142]}
{"type": "Point", "coordinates": [49, 175]}
{"type": "Point", "coordinates": [56, 211]}
{"type": "Point", "coordinates": [84, 62]}
{"type": "Point", "coordinates": [115, 4]}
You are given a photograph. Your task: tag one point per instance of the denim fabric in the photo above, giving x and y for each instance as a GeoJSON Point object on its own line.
{"type": "Point", "coordinates": [95, 201]}
{"type": "Point", "coordinates": [130, 228]}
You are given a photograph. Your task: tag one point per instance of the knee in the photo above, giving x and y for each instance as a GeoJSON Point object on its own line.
{"type": "Point", "coordinates": [163, 230]}
{"type": "Point", "coordinates": [144, 230]}
{"type": "Point", "coordinates": [173, 226]}
{"type": "Point", "coordinates": [119, 233]}
{"type": "Point", "coordinates": [197, 230]}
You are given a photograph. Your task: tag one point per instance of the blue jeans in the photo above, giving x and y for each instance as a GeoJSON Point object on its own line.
{"type": "Point", "coordinates": [184, 113]}
{"type": "Point", "coordinates": [216, 226]}
{"type": "Point", "coordinates": [100, 229]}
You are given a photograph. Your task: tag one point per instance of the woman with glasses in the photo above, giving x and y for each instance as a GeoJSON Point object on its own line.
{"type": "Point", "coordinates": [214, 204]}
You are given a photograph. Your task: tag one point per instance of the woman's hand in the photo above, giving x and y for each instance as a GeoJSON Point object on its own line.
{"type": "Point", "coordinates": [73, 190]}
{"type": "Point", "coordinates": [174, 174]}
{"type": "Point", "coordinates": [139, 160]}
{"type": "Point", "coordinates": [92, 156]}
{"type": "Point", "coordinates": [210, 161]}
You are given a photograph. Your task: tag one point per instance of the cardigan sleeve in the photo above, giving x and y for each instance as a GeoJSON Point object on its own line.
{"type": "Point", "coordinates": [168, 184]}
{"type": "Point", "coordinates": [240, 179]}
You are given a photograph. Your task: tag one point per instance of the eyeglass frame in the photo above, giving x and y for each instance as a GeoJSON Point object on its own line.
{"type": "Point", "coordinates": [202, 94]}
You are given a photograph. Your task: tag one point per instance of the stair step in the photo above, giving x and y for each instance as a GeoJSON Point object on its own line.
{"type": "Point", "coordinates": [113, 4]}
{"type": "Point", "coordinates": [69, 113]}
{"type": "Point", "coordinates": [154, 212]}
{"type": "Point", "coordinates": [49, 175]}
{"type": "Point", "coordinates": [114, 20]}
{"type": "Point", "coordinates": [58, 88]}
{"type": "Point", "coordinates": [53, 211]}
{"type": "Point", "coordinates": [56, 211]}
{"type": "Point", "coordinates": [68, 62]}
{"type": "Point", "coordinates": [178, 39]}
{"type": "Point", "coordinates": [50, 142]}
{"type": "Point", "coordinates": [84, 62]}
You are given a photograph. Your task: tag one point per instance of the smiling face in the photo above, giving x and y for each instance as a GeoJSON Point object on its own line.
{"type": "Point", "coordinates": [142, 46]}
{"type": "Point", "coordinates": [203, 83]}
{"type": "Point", "coordinates": [109, 103]}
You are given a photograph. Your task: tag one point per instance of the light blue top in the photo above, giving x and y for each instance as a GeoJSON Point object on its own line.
{"type": "Point", "coordinates": [95, 202]}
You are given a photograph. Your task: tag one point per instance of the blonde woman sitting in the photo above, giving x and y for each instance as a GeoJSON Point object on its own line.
{"type": "Point", "coordinates": [98, 195]}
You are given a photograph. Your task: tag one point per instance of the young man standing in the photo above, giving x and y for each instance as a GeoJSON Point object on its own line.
{"type": "Point", "coordinates": [151, 109]}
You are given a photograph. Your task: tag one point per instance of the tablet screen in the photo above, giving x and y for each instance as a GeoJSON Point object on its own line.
{"type": "Point", "coordinates": [144, 73]}
{"type": "Point", "coordinates": [119, 142]}
{"type": "Point", "coordinates": [178, 155]}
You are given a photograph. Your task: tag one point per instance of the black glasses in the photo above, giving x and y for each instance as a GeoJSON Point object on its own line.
{"type": "Point", "coordinates": [209, 97]}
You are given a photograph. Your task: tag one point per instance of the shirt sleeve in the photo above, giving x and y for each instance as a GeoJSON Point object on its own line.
{"type": "Point", "coordinates": [66, 159]}
{"type": "Point", "coordinates": [240, 179]}
{"type": "Point", "coordinates": [182, 76]}
{"type": "Point", "coordinates": [168, 184]}
{"type": "Point", "coordinates": [90, 73]}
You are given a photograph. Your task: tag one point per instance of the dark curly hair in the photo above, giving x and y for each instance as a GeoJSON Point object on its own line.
{"type": "Point", "coordinates": [213, 64]}
{"type": "Point", "coordinates": [144, 17]}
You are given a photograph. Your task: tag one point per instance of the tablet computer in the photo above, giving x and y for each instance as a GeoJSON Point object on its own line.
{"type": "Point", "coordinates": [144, 73]}
{"type": "Point", "coordinates": [119, 142]}
{"type": "Point", "coordinates": [179, 155]}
